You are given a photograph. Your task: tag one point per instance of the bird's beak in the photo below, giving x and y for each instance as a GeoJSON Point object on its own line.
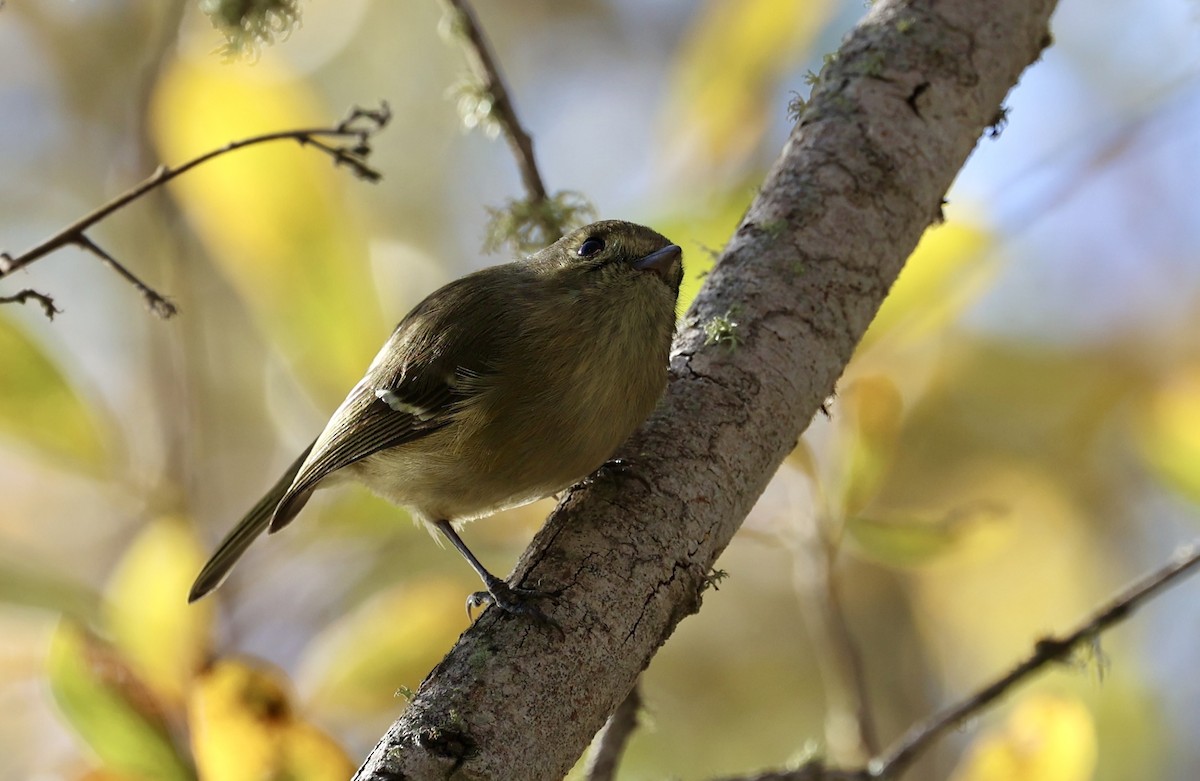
{"type": "Point", "coordinates": [661, 261]}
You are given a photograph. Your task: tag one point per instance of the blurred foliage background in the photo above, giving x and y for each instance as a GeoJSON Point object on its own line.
{"type": "Point", "coordinates": [1018, 436]}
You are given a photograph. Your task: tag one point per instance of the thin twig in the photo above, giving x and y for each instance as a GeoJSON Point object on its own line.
{"type": "Point", "coordinates": [849, 657]}
{"type": "Point", "coordinates": [157, 302]}
{"type": "Point", "coordinates": [538, 207]}
{"type": "Point", "coordinates": [898, 758]}
{"type": "Point", "coordinates": [25, 295]}
{"type": "Point", "coordinates": [602, 765]}
{"type": "Point", "coordinates": [358, 127]}
{"type": "Point", "coordinates": [488, 71]}
{"type": "Point", "coordinates": [1048, 649]}
{"type": "Point", "coordinates": [837, 650]}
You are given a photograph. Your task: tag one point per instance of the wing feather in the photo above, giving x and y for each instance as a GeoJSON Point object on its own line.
{"type": "Point", "coordinates": [438, 358]}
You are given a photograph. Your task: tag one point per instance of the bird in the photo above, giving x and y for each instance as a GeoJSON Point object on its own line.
{"type": "Point", "coordinates": [502, 387]}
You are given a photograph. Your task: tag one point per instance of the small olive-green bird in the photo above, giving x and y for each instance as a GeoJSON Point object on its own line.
{"type": "Point", "coordinates": [500, 388]}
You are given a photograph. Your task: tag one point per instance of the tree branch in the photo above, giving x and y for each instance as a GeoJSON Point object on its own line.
{"type": "Point", "coordinates": [602, 765]}
{"type": "Point", "coordinates": [158, 303]}
{"type": "Point", "coordinates": [25, 295]}
{"type": "Point", "coordinates": [1045, 651]}
{"type": "Point", "coordinates": [920, 737]}
{"type": "Point", "coordinates": [539, 218]}
{"type": "Point", "coordinates": [487, 70]}
{"type": "Point", "coordinates": [853, 673]}
{"type": "Point", "coordinates": [838, 654]}
{"type": "Point", "coordinates": [357, 127]}
{"type": "Point", "coordinates": [889, 124]}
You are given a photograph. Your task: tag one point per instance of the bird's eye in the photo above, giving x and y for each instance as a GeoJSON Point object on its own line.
{"type": "Point", "coordinates": [591, 246]}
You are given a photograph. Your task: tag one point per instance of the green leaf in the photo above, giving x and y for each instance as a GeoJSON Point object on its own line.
{"type": "Point", "coordinates": [38, 406]}
{"type": "Point", "coordinates": [109, 708]}
{"type": "Point", "coordinates": [913, 542]}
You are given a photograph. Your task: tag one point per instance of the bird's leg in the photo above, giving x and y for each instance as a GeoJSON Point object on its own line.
{"type": "Point", "coordinates": [510, 599]}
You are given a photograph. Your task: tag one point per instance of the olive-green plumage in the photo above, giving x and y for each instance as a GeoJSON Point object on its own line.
{"type": "Point", "coordinates": [500, 388]}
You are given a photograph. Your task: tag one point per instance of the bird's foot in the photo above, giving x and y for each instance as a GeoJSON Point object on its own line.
{"type": "Point", "coordinates": [514, 601]}
{"type": "Point", "coordinates": [618, 467]}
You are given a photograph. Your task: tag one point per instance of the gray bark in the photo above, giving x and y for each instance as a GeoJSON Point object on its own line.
{"type": "Point", "coordinates": [861, 177]}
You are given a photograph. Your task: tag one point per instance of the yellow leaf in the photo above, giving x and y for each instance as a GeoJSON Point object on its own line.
{"type": "Point", "coordinates": [39, 407]}
{"type": "Point", "coordinates": [725, 84]}
{"type": "Point", "coordinates": [309, 754]}
{"type": "Point", "coordinates": [110, 708]}
{"type": "Point", "coordinates": [1038, 566]}
{"type": "Point", "coordinates": [393, 640]}
{"type": "Point", "coordinates": [273, 216]}
{"type": "Point", "coordinates": [948, 269]}
{"type": "Point", "coordinates": [236, 715]}
{"type": "Point", "coordinates": [165, 639]}
{"type": "Point", "coordinates": [244, 728]}
{"type": "Point", "coordinates": [1046, 738]}
{"type": "Point", "coordinates": [1168, 432]}
{"type": "Point", "coordinates": [872, 407]}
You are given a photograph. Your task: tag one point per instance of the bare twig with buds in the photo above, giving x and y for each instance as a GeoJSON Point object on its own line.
{"type": "Point", "coordinates": [355, 131]}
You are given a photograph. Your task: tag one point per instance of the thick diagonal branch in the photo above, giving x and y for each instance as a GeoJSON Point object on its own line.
{"type": "Point", "coordinates": [863, 174]}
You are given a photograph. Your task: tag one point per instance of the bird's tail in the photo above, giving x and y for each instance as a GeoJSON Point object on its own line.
{"type": "Point", "coordinates": [247, 530]}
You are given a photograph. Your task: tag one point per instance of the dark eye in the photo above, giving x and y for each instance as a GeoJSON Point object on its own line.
{"type": "Point", "coordinates": [591, 246]}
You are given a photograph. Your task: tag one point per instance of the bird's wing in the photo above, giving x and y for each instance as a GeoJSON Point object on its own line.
{"type": "Point", "coordinates": [375, 416]}
{"type": "Point", "coordinates": [343, 442]}
{"type": "Point", "coordinates": [252, 524]}
{"type": "Point", "coordinates": [435, 363]}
